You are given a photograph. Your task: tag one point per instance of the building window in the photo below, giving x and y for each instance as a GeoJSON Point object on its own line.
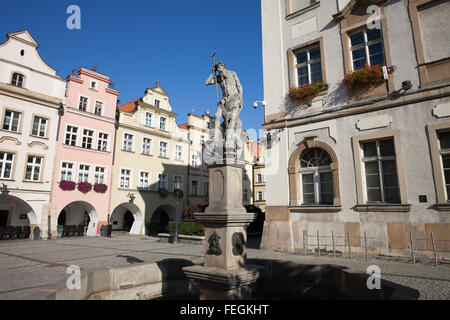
{"type": "Point", "coordinates": [6, 165]}
{"type": "Point", "coordinates": [87, 138]}
{"type": "Point", "coordinates": [163, 181]}
{"type": "Point", "coordinates": [245, 194]}
{"type": "Point", "coordinates": [202, 139]}
{"type": "Point", "coordinates": [380, 171]}
{"type": "Point", "coordinates": [163, 123]}
{"type": "Point", "coordinates": [157, 103]}
{"type": "Point", "coordinates": [11, 121]}
{"type": "Point", "coordinates": [208, 125]}
{"type": "Point", "coordinates": [66, 171]}
{"type": "Point", "coordinates": [93, 85]}
{"type": "Point", "coordinates": [71, 135]}
{"type": "Point", "coordinates": [194, 187]}
{"type": "Point", "coordinates": [245, 174]}
{"type": "Point", "coordinates": [178, 152]}
{"type": "Point", "coordinates": [17, 80]}
{"type": "Point", "coordinates": [316, 177]}
{"type": "Point", "coordinates": [148, 119]}
{"type": "Point", "coordinates": [163, 149]}
{"type": "Point", "coordinates": [98, 108]}
{"type": "Point", "coordinates": [100, 175]}
{"type": "Point", "coordinates": [259, 178]}
{"type": "Point", "coordinates": [125, 178]}
{"type": "Point", "coordinates": [144, 180]}
{"type": "Point", "coordinates": [195, 161]}
{"type": "Point", "coordinates": [146, 146]}
{"type": "Point", "coordinates": [39, 127]}
{"type": "Point", "coordinates": [83, 103]}
{"type": "Point", "coordinates": [206, 189]}
{"type": "Point", "coordinates": [308, 65]}
{"type": "Point", "coordinates": [444, 151]}
{"type": "Point", "coordinates": [102, 141]}
{"type": "Point", "coordinates": [177, 182]}
{"type": "Point", "coordinates": [127, 142]}
{"type": "Point", "coordinates": [83, 173]}
{"type": "Point", "coordinates": [366, 48]}
{"type": "Point", "coordinates": [33, 171]}
{"type": "Point", "coordinates": [259, 196]}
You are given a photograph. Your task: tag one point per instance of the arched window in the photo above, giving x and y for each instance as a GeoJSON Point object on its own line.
{"type": "Point", "coordinates": [316, 178]}
{"type": "Point", "coordinates": [17, 80]}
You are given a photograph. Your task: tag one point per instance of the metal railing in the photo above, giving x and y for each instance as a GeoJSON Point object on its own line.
{"type": "Point", "coordinates": [322, 242]}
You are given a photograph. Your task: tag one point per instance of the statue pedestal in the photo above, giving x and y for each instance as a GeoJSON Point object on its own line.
{"type": "Point", "coordinates": [225, 274]}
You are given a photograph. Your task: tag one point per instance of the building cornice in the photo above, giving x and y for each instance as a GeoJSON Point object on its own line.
{"type": "Point", "coordinates": [28, 95]}
{"type": "Point", "coordinates": [90, 115]}
{"type": "Point", "coordinates": [424, 94]}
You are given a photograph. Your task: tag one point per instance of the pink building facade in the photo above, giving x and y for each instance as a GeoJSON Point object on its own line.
{"type": "Point", "coordinates": [83, 164]}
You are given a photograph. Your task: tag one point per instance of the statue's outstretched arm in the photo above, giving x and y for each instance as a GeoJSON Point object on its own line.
{"type": "Point", "coordinates": [211, 79]}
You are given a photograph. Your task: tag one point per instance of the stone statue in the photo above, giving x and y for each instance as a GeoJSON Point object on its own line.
{"type": "Point", "coordinates": [229, 108]}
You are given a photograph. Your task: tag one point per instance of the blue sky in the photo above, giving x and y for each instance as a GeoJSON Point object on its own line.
{"type": "Point", "coordinates": [138, 43]}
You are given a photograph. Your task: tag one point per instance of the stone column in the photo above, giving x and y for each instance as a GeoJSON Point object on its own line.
{"type": "Point", "coordinates": [225, 274]}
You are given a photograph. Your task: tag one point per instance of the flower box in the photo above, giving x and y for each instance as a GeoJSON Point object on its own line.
{"type": "Point", "coordinates": [84, 187]}
{"type": "Point", "coordinates": [178, 193]}
{"type": "Point", "coordinates": [307, 92]}
{"type": "Point", "coordinates": [364, 77]}
{"type": "Point", "coordinates": [67, 185]}
{"type": "Point", "coordinates": [100, 187]}
{"type": "Point", "coordinates": [163, 192]}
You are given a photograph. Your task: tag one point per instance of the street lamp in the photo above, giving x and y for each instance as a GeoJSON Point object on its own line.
{"type": "Point", "coordinates": [178, 194]}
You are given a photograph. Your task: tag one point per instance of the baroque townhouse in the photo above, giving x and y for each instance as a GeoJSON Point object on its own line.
{"type": "Point", "coordinates": [31, 94]}
{"type": "Point", "coordinates": [364, 148]}
{"type": "Point", "coordinates": [199, 133]}
{"type": "Point", "coordinates": [150, 162]}
{"type": "Point", "coordinates": [83, 166]}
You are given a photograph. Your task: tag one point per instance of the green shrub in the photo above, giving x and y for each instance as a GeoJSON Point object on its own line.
{"type": "Point", "coordinates": [187, 228]}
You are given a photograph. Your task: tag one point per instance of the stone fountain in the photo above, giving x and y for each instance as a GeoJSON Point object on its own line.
{"type": "Point", "coordinates": [225, 273]}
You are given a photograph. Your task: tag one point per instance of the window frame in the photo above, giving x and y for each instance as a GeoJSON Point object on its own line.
{"type": "Point", "coordinates": [89, 175]}
{"type": "Point", "coordinates": [4, 162]}
{"type": "Point", "coordinates": [192, 187]}
{"type": "Point", "coordinates": [150, 146]}
{"type": "Point", "coordinates": [71, 135]}
{"type": "Point", "coordinates": [93, 145]}
{"type": "Point", "coordinates": [442, 199]}
{"type": "Point", "coordinates": [166, 180]}
{"type": "Point", "coordinates": [46, 126]}
{"type": "Point", "coordinates": [364, 45]}
{"type": "Point", "coordinates": [165, 155]}
{"type": "Point", "coordinates": [74, 171]}
{"type": "Point", "coordinates": [166, 124]}
{"type": "Point", "coordinates": [147, 113]}
{"type": "Point", "coordinates": [105, 172]}
{"type": "Point", "coordinates": [41, 166]}
{"type": "Point", "coordinates": [124, 140]}
{"type": "Point", "coordinates": [23, 79]}
{"type": "Point", "coordinates": [178, 152]}
{"type": "Point", "coordinates": [19, 123]}
{"type": "Point", "coordinates": [362, 204]}
{"type": "Point", "coordinates": [102, 108]}
{"type": "Point", "coordinates": [87, 103]}
{"type": "Point", "coordinates": [100, 141]}
{"type": "Point", "coordinates": [293, 75]}
{"type": "Point", "coordinates": [149, 181]}
{"type": "Point", "coordinates": [130, 178]}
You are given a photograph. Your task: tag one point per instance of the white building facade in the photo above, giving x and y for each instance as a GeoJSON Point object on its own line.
{"type": "Point", "coordinates": [31, 95]}
{"type": "Point", "coordinates": [357, 159]}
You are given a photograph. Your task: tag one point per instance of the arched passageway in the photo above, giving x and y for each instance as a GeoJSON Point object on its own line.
{"type": "Point", "coordinates": [79, 215]}
{"type": "Point", "coordinates": [161, 217]}
{"type": "Point", "coordinates": [16, 216]}
{"type": "Point", "coordinates": [127, 217]}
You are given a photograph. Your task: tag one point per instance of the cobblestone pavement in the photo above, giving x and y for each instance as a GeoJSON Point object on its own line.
{"type": "Point", "coordinates": [29, 266]}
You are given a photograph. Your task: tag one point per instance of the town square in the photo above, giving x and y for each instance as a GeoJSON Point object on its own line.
{"type": "Point", "coordinates": [258, 150]}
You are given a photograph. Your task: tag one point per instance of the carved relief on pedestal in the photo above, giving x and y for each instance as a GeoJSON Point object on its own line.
{"type": "Point", "coordinates": [238, 243]}
{"type": "Point", "coordinates": [214, 246]}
